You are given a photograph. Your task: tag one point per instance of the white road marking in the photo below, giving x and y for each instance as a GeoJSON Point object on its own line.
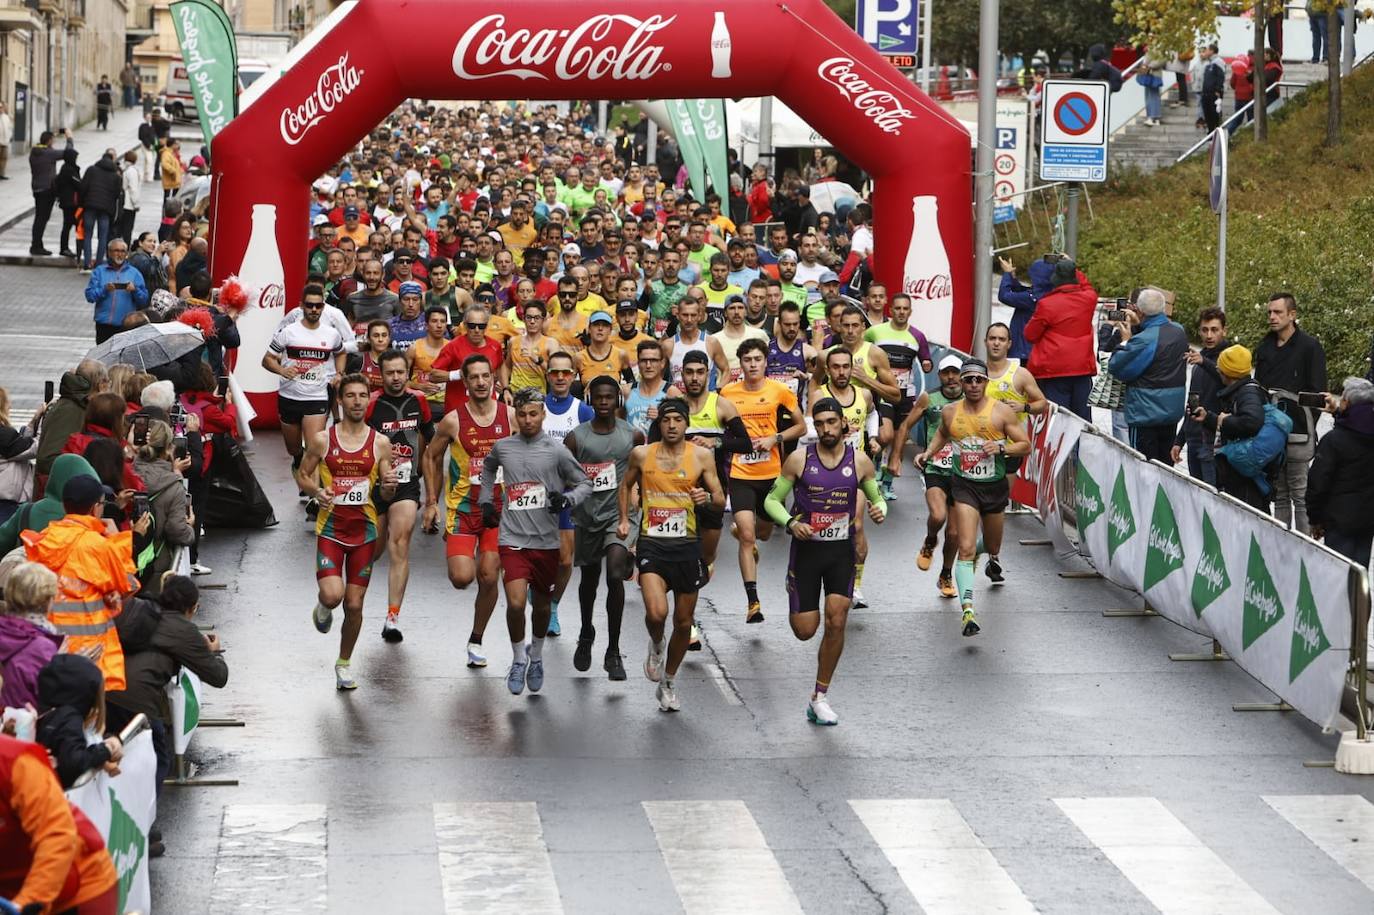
{"type": "Point", "coordinates": [272, 858]}
{"type": "Point", "coordinates": [1342, 825]}
{"type": "Point", "coordinates": [939, 858]}
{"type": "Point", "coordinates": [718, 859]}
{"type": "Point", "coordinates": [718, 677]}
{"type": "Point", "coordinates": [492, 859]}
{"type": "Point", "coordinates": [1162, 857]}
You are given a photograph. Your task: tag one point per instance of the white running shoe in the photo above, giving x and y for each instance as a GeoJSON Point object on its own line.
{"type": "Point", "coordinates": [475, 656]}
{"type": "Point", "coordinates": [653, 664]}
{"type": "Point", "coordinates": [859, 603]}
{"type": "Point", "coordinates": [198, 569]}
{"type": "Point", "coordinates": [343, 678]}
{"type": "Point", "coordinates": [818, 711]}
{"type": "Point", "coordinates": [322, 623]}
{"type": "Point", "coordinates": [667, 697]}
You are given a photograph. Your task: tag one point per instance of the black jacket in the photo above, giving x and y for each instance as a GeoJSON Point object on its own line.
{"type": "Point", "coordinates": [67, 184]}
{"type": "Point", "coordinates": [176, 643]}
{"type": "Point", "coordinates": [1205, 383]}
{"type": "Point", "coordinates": [150, 265]}
{"type": "Point", "coordinates": [147, 136]}
{"type": "Point", "coordinates": [1243, 401]}
{"type": "Point", "coordinates": [1213, 78]}
{"type": "Point", "coordinates": [1299, 365]}
{"type": "Point", "coordinates": [1340, 488]}
{"type": "Point", "coordinates": [68, 689]}
{"type": "Point", "coordinates": [43, 165]}
{"type": "Point", "coordinates": [102, 186]}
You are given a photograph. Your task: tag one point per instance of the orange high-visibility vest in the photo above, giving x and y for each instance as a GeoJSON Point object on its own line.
{"type": "Point", "coordinates": [95, 571]}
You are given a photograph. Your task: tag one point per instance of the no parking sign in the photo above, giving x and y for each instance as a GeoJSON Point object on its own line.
{"type": "Point", "coordinates": [1073, 134]}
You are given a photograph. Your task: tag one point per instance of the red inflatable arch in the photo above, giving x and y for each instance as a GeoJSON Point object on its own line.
{"type": "Point", "coordinates": [381, 53]}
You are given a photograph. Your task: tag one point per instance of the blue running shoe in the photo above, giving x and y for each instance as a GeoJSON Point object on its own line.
{"type": "Point", "coordinates": [555, 630]}
{"type": "Point", "coordinates": [515, 677]}
{"type": "Point", "coordinates": [535, 675]}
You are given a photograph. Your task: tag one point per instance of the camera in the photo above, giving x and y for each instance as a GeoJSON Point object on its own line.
{"type": "Point", "coordinates": [1118, 314]}
{"type": "Point", "coordinates": [140, 431]}
{"type": "Point", "coordinates": [141, 505]}
{"type": "Point", "coordinates": [1315, 401]}
{"type": "Point", "coordinates": [1194, 401]}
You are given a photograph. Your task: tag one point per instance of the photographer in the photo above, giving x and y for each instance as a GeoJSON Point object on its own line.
{"type": "Point", "coordinates": [1340, 488]}
{"type": "Point", "coordinates": [1151, 363]}
{"type": "Point", "coordinates": [1239, 415]}
{"type": "Point", "coordinates": [1202, 391]}
{"type": "Point", "coordinates": [173, 519]}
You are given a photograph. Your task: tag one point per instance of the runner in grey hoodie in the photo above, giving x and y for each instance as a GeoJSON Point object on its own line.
{"type": "Point", "coordinates": [541, 479]}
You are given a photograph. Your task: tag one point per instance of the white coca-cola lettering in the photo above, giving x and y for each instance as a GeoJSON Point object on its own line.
{"type": "Point", "coordinates": [929, 287]}
{"type": "Point", "coordinates": [335, 84]}
{"type": "Point", "coordinates": [582, 52]}
{"type": "Point", "coordinates": [883, 107]}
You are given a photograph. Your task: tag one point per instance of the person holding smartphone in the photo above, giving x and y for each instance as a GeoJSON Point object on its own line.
{"type": "Point", "coordinates": [116, 289]}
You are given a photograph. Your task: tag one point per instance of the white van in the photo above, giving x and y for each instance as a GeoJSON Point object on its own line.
{"type": "Point", "coordinates": [178, 101]}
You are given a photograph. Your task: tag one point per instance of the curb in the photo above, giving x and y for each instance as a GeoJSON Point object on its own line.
{"type": "Point", "coordinates": [30, 260]}
{"type": "Point", "coordinates": [16, 220]}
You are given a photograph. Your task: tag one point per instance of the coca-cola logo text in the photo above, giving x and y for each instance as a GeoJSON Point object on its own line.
{"type": "Point", "coordinates": [586, 51]}
{"type": "Point", "coordinates": [885, 110]}
{"type": "Point", "coordinates": [334, 85]}
{"type": "Point", "coordinates": [272, 296]}
{"type": "Point", "coordinates": [929, 287]}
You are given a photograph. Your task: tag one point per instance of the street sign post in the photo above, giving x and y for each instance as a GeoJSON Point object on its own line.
{"type": "Point", "coordinates": [1220, 144]}
{"type": "Point", "coordinates": [1009, 162]}
{"type": "Point", "coordinates": [889, 26]}
{"type": "Point", "coordinates": [1073, 131]}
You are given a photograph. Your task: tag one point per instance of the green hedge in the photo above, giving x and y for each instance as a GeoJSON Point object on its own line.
{"type": "Point", "coordinates": [1301, 219]}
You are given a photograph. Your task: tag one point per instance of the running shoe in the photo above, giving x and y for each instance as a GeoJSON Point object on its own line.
{"type": "Point", "coordinates": [994, 571]}
{"type": "Point", "coordinates": [615, 668]}
{"type": "Point", "coordinates": [653, 664]}
{"type": "Point", "coordinates": [312, 513]}
{"type": "Point", "coordinates": [515, 677]}
{"type": "Point", "coordinates": [302, 497]}
{"type": "Point", "coordinates": [970, 624]}
{"type": "Point", "coordinates": [755, 612]}
{"type": "Point", "coordinates": [343, 678]}
{"type": "Point", "coordinates": [858, 601]}
{"type": "Point", "coordinates": [582, 657]}
{"type": "Point", "coordinates": [818, 711]}
{"type": "Point", "coordinates": [475, 656]}
{"type": "Point", "coordinates": [535, 675]}
{"type": "Point", "coordinates": [927, 554]}
{"type": "Point", "coordinates": [554, 629]}
{"type": "Point", "coordinates": [886, 490]}
{"type": "Point", "coordinates": [946, 586]}
{"type": "Point", "coordinates": [694, 640]}
{"type": "Point", "coordinates": [322, 623]}
{"type": "Point", "coordinates": [667, 698]}
{"type": "Point", "coordinates": [198, 569]}
{"type": "Point", "coordinates": [390, 631]}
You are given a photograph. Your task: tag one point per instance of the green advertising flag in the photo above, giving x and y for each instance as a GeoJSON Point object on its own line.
{"type": "Point", "coordinates": [1087, 498]}
{"type": "Point", "coordinates": [1210, 578]}
{"type": "Point", "coordinates": [708, 116]}
{"type": "Point", "coordinates": [688, 144]}
{"type": "Point", "coordinates": [1120, 517]}
{"type": "Point", "coordinates": [1164, 551]}
{"type": "Point", "coordinates": [208, 51]}
{"type": "Point", "coordinates": [1262, 606]}
{"type": "Point", "coordinates": [1309, 639]}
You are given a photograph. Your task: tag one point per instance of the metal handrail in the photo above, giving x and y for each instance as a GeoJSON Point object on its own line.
{"type": "Point", "coordinates": [1240, 112]}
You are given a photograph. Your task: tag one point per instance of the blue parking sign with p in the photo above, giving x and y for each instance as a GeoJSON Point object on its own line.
{"type": "Point", "coordinates": [889, 26]}
{"type": "Point", "coordinates": [1006, 137]}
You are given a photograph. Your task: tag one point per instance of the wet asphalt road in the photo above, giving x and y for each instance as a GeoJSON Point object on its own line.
{"type": "Point", "coordinates": [431, 789]}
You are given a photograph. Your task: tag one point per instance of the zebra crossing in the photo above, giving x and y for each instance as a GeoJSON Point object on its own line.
{"type": "Point", "coordinates": [509, 857]}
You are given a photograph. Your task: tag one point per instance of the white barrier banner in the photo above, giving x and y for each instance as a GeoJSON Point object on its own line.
{"type": "Point", "coordinates": [1053, 436]}
{"type": "Point", "coordinates": [1277, 602]}
{"type": "Point", "coordinates": [123, 809]}
{"type": "Point", "coordinates": [183, 698]}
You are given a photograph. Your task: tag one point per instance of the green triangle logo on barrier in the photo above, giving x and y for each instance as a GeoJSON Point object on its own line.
{"type": "Point", "coordinates": [1262, 607]}
{"type": "Point", "coordinates": [191, 718]}
{"type": "Point", "coordinates": [1120, 518]}
{"type": "Point", "coordinates": [127, 846]}
{"type": "Point", "coordinates": [1164, 551]}
{"type": "Point", "coordinates": [1088, 501]}
{"type": "Point", "coordinates": [1210, 578]}
{"type": "Point", "coordinates": [1309, 640]}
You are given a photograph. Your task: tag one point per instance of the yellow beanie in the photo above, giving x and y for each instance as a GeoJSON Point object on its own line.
{"type": "Point", "coordinates": [1234, 361]}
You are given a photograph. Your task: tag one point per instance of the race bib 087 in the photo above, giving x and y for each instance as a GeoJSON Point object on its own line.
{"type": "Point", "coordinates": [829, 526]}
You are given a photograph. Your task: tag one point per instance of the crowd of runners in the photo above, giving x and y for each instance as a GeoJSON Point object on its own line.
{"type": "Point", "coordinates": [566, 363]}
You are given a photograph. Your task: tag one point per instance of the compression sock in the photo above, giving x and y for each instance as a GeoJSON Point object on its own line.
{"type": "Point", "coordinates": [536, 648]}
{"type": "Point", "coordinates": [517, 650]}
{"type": "Point", "coordinates": [963, 580]}
{"type": "Point", "coordinates": [858, 575]}
{"type": "Point", "coordinates": [751, 591]}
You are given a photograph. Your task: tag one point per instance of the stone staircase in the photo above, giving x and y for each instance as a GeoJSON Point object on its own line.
{"type": "Point", "coordinates": [1151, 148]}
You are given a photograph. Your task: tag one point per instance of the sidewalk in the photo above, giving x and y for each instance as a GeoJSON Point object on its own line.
{"type": "Point", "coordinates": [16, 194]}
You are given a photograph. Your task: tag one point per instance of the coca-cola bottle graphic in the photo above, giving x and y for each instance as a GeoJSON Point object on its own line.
{"type": "Point", "coordinates": [925, 273]}
{"type": "Point", "coordinates": [265, 280]}
{"type": "Point", "coordinates": [720, 48]}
